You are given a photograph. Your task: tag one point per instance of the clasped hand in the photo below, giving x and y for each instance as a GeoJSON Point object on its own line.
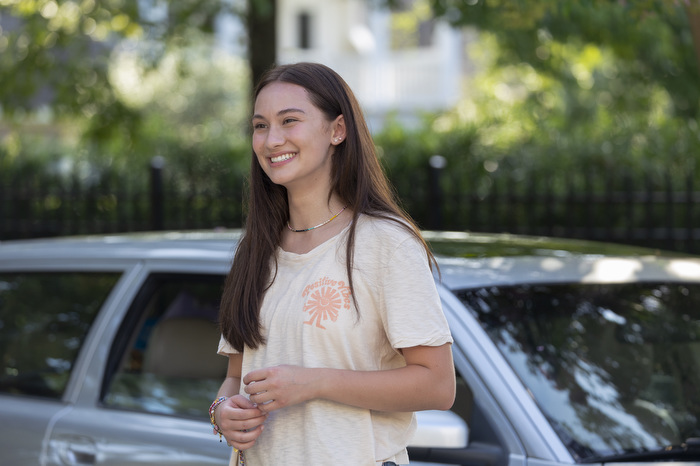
{"type": "Point", "coordinates": [279, 386]}
{"type": "Point", "coordinates": [241, 420]}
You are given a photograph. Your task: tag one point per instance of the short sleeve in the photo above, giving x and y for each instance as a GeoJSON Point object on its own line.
{"type": "Point", "coordinates": [225, 347]}
{"type": "Point", "coordinates": [413, 311]}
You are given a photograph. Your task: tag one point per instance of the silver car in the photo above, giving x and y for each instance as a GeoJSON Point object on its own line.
{"type": "Point", "coordinates": [566, 352]}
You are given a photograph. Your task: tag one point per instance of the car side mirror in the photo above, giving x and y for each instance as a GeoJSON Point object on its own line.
{"type": "Point", "coordinates": [440, 429]}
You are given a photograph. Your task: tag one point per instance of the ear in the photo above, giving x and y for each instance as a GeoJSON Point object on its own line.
{"type": "Point", "coordinates": [339, 131]}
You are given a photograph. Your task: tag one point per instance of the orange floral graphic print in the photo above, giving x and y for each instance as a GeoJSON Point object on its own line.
{"type": "Point", "coordinates": [324, 300]}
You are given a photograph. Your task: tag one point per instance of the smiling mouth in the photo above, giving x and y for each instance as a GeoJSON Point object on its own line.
{"type": "Point", "coordinates": [282, 158]}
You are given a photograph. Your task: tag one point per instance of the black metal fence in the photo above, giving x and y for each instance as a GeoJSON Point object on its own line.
{"type": "Point", "coordinates": [655, 210]}
{"type": "Point", "coordinates": [658, 210]}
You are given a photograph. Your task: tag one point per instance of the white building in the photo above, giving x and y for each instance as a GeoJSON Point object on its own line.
{"type": "Point", "coordinates": [360, 42]}
{"type": "Point", "coordinates": [393, 69]}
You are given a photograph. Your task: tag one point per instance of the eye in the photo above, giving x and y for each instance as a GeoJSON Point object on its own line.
{"type": "Point", "coordinates": [259, 125]}
{"type": "Point", "coordinates": [289, 120]}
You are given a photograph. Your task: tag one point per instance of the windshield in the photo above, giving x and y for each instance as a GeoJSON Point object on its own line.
{"type": "Point", "coordinates": [615, 368]}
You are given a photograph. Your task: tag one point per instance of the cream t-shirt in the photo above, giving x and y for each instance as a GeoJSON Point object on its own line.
{"type": "Point", "coordinates": [309, 319]}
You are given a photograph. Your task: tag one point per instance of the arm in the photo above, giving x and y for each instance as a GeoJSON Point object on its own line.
{"type": "Point", "coordinates": [232, 383]}
{"type": "Point", "coordinates": [426, 382]}
{"type": "Point", "coordinates": [238, 418]}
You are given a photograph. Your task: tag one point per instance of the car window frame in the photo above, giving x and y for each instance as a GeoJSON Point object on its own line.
{"type": "Point", "coordinates": [133, 320]}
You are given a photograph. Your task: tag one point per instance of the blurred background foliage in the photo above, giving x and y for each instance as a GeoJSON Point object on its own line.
{"type": "Point", "coordinates": [98, 84]}
{"type": "Point", "coordinates": [560, 88]}
{"type": "Point", "coordinates": [563, 88]}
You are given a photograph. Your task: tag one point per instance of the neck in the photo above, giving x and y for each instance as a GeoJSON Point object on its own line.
{"type": "Point", "coordinates": [310, 212]}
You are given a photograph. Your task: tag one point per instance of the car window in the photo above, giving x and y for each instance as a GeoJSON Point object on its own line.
{"type": "Point", "coordinates": [44, 319]}
{"type": "Point", "coordinates": [615, 367]}
{"type": "Point", "coordinates": [164, 359]}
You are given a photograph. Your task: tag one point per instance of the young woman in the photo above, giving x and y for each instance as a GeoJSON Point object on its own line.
{"type": "Point", "coordinates": [330, 316]}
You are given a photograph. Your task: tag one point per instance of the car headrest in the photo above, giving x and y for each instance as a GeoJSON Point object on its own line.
{"type": "Point", "coordinates": [184, 347]}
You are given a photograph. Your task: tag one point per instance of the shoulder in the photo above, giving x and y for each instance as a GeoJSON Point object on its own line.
{"type": "Point", "coordinates": [383, 236]}
{"type": "Point", "coordinates": [383, 228]}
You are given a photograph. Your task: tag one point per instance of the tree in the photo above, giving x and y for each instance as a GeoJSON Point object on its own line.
{"type": "Point", "coordinates": [656, 39]}
{"type": "Point", "coordinates": [261, 23]}
{"type": "Point", "coordinates": [56, 54]}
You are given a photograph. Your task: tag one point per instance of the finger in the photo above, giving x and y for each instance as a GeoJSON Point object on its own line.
{"type": "Point", "coordinates": [260, 399]}
{"type": "Point", "coordinates": [255, 376]}
{"type": "Point", "coordinates": [269, 406]}
{"type": "Point", "coordinates": [255, 388]}
{"type": "Point", "coordinates": [240, 419]}
{"type": "Point", "coordinates": [244, 419]}
{"type": "Point", "coordinates": [244, 439]}
{"type": "Point", "coordinates": [239, 445]}
{"type": "Point", "coordinates": [252, 424]}
{"type": "Point", "coordinates": [242, 402]}
{"type": "Point", "coordinates": [243, 408]}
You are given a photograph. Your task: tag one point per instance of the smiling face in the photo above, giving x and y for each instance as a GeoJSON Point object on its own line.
{"type": "Point", "coordinates": [292, 139]}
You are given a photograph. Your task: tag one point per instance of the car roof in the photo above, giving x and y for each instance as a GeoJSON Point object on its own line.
{"type": "Point", "coordinates": [176, 245]}
{"type": "Point", "coordinates": [466, 244]}
{"type": "Point", "coordinates": [464, 259]}
{"type": "Point", "coordinates": [478, 259]}
{"type": "Point", "coordinates": [461, 273]}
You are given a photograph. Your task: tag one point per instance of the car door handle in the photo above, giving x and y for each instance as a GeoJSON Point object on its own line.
{"type": "Point", "coordinates": [75, 450]}
{"type": "Point", "coordinates": [79, 457]}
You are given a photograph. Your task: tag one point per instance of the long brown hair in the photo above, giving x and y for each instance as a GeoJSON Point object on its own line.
{"type": "Point", "coordinates": [356, 176]}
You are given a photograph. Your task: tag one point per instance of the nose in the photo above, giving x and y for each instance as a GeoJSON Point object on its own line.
{"type": "Point", "coordinates": [275, 136]}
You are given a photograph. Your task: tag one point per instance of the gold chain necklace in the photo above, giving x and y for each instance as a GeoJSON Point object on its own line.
{"type": "Point", "coordinates": [319, 225]}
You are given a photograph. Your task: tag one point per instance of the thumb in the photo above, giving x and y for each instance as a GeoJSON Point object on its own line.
{"type": "Point", "coordinates": [242, 402]}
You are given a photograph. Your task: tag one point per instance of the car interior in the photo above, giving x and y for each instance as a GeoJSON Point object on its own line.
{"type": "Point", "coordinates": [164, 358]}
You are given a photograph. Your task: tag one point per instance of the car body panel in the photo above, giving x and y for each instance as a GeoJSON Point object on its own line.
{"type": "Point", "coordinates": [86, 435]}
{"type": "Point", "coordinates": [24, 422]}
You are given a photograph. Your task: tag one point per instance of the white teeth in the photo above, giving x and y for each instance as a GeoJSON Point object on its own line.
{"type": "Point", "coordinates": [282, 158]}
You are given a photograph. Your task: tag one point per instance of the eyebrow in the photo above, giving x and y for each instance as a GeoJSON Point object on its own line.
{"type": "Point", "coordinates": [281, 112]}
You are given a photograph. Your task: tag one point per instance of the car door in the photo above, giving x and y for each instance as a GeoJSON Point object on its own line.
{"type": "Point", "coordinates": [48, 313]}
{"type": "Point", "coordinates": [149, 384]}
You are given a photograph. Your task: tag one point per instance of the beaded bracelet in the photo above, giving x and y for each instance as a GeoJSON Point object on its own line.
{"type": "Point", "coordinates": [212, 411]}
{"type": "Point", "coordinates": [240, 458]}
